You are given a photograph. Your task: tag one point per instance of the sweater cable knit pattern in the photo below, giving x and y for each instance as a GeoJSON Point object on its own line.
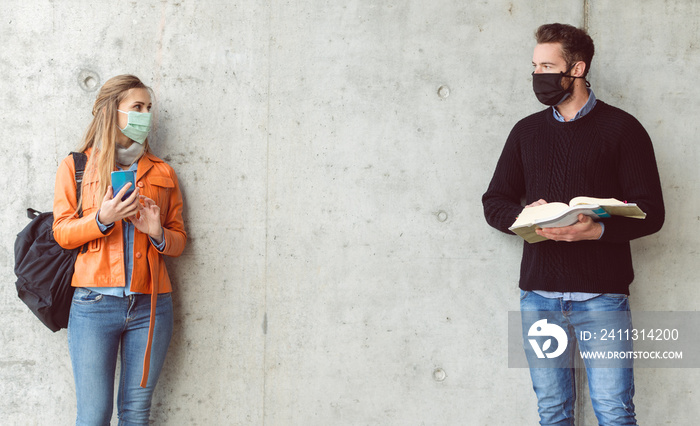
{"type": "Point", "coordinates": [605, 154]}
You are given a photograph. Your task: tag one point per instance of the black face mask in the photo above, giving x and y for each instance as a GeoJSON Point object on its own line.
{"type": "Point", "coordinates": [548, 88]}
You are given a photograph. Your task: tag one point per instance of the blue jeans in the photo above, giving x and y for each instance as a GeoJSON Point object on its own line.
{"type": "Point", "coordinates": [611, 383]}
{"type": "Point", "coordinates": [98, 326]}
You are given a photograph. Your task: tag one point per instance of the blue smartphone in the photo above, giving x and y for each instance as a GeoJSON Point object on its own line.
{"type": "Point", "coordinates": [121, 178]}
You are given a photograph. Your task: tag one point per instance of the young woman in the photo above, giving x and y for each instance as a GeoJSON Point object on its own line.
{"type": "Point", "coordinates": [123, 290]}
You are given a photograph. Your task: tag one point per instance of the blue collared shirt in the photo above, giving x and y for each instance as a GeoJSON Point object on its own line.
{"type": "Point", "coordinates": [128, 236]}
{"type": "Point", "coordinates": [588, 107]}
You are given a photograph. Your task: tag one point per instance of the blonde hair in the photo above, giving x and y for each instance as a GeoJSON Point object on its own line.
{"type": "Point", "coordinates": [101, 134]}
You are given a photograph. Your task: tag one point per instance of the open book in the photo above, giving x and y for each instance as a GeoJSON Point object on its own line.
{"type": "Point", "coordinates": [557, 215]}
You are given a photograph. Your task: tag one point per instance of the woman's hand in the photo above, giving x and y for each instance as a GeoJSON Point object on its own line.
{"type": "Point", "coordinates": [148, 219]}
{"type": "Point", "coordinates": [114, 209]}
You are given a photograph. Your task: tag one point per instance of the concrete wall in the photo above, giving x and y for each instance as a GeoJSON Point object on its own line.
{"type": "Point", "coordinates": [339, 270]}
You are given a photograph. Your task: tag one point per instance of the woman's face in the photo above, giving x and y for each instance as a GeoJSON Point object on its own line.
{"type": "Point", "coordinates": [138, 100]}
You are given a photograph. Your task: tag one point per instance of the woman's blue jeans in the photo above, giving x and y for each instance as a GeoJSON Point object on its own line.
{"type": "Point", "coordinates": [585, 324]}
{"type": "Point", "coordinates": [99, 325]}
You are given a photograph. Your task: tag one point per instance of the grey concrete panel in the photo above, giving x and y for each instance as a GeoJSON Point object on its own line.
{"type": "Point", "coordinates": [332, 157]}
{"type": "Point", "coordinates": [645, 64]}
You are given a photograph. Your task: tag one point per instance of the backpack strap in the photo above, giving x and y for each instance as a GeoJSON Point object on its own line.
{"type": "Point", "coordinates": [33, 214]}
{"type": "Point", "coordinates": [80, 160]}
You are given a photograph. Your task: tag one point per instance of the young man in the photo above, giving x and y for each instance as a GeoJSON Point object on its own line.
{"type": "Point", "coordinates": [579, 278]}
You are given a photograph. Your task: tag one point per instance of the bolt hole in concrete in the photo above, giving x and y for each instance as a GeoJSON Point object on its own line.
{"type": "Point", "coordinates": [88, 80]}
{"type": "Point", "coordinates": [439, 375]}
{"type": "Point", "coordinates": [443, 92]}
{"type": "Point", "coordinates": [442, 216]}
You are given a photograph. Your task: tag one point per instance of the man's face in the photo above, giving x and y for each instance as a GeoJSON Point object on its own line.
{"type": "Point", "coordinates": [548, 58]}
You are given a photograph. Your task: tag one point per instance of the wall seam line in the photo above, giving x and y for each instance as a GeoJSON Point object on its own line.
{"type": "Point", "coordinates": [267, 211]}
{"type": "Point", "coordinates": [581, 378]}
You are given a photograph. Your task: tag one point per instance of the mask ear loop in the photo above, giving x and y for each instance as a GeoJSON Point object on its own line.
{"type": "Point", "coordinates": [571, 86]}
{"type": "Point", "coordinates": [127, 122]}
{"type": "Point", "coordinates": [564, 74]}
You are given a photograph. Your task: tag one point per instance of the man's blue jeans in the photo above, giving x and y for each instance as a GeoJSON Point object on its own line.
{"type": "Point", "coordinates": [611, 383]}
{"type": "Point", "coordinates": [98, 326]}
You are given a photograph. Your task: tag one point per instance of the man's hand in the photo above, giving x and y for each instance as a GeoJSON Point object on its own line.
{"type": "Point", "coordinates": [537, 203]}
{"type": "Point", "coordinates": [584, 229]}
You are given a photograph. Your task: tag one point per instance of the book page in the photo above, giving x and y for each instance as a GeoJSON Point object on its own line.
{"type": "Point", "coordinates": [570, 217]}
{"type": "Point", "coordinates": [530, 214]}
{"type": "Point", "coordinates": [599, 201]}
{"type": "Point", "coordinates": [613, 206]}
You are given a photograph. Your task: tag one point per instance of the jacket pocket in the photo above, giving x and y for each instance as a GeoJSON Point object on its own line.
{"type": "Point", "coordinates": [161, 181]}
{"type": "Point", "coordinates": [162, 187]}
{"type": "Point", "coordinates": [89, 194]}
{"type": "Point", "coordinates": [83, 296]}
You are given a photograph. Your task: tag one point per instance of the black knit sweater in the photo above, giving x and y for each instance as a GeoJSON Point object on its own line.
{"type": "Point", "coordinates": [605, 154]}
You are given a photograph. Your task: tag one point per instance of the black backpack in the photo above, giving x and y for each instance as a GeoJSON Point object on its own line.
{"type": "Point", "coordinates": [44, 269]}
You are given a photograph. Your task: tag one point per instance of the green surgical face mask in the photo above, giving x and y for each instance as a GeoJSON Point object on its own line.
{"type": "Point", "coordinates": [138, 126]}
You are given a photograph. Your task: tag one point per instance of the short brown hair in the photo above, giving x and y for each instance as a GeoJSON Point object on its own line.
{"type": "Point", "coordinates": [576, 44]}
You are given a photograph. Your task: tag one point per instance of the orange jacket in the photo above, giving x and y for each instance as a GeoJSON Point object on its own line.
{"type": "Point", "coordinates": [102, 265]}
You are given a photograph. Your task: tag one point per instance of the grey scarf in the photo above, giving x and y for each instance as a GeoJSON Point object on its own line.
{"type": "Point", "coordinates": [128, 156]}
